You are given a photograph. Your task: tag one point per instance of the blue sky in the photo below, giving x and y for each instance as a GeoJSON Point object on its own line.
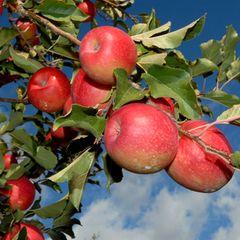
{"type": "Point", "coordinates": [150, 207]}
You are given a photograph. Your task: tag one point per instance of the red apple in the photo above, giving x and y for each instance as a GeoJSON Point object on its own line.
{"type": "Point", "coordinates": [21, 193]}
{"type": "Point", "coordinates": [164, 103]}
{"type": "Point", "coordinates": [141, 138]}
{"type": "Point", "coordinates": [104, 49]}
{"type": "Point", "coordinates": [196, 169]}
{"type": "Point", "coordinates": [48, 89]}
{"type": "Point", "coordinates": [68, 105]}
{"type": "Point", "coordinates": [33, 233]}
{"type": "Point", "coordinates": [88, 93]}
{"type": "Point", "coordinates": [1, 7]}
{"type": "Point", "coordinates": [28, 32]}
{"type": "Point", "coordinates": [88, 8]}
{"type": "Point", "coordinates": [8, 159]}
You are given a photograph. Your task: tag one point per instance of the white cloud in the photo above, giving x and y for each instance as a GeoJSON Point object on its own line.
{"type": "Point", "coordinates": [143, 208]}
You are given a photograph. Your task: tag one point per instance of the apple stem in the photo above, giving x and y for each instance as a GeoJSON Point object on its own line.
{"type": "Point", "coordinates": [47, 23]}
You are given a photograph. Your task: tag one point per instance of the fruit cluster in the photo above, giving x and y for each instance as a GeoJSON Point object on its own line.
{"type": "Point", "coordinates": [142, 137]}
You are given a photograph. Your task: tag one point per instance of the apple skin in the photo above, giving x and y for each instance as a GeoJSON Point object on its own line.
{"type": "Point", "coordinates": [48, 89]}
{"type": "Point", "coordinates": [105, 48]}
{"type": "Point", "coordinates": [88, 93]}
{"type": "Point", "coordinates": [21, 193]}
{"type": "Point", "coordinates": [1, 7]}
{"type": "Point", "coordinates": [33, 233]}
{"type": "Point", "coordinates": [141, 138]}
{"type": "Point", "coordinates": [88, 8]}
{"type": "Point", "coordinates": [165, 104]}
{"type": "Point", "coordinates": [68, 105]}
{"type": "Point", "coordinates": [8, 159]}
{"type": "Point", "coordinates": [196, 169]}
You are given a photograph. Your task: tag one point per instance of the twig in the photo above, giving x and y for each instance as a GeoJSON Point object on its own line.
{"type": "Point", "coordinates": [13, 100]}
{"type": "Point", "coordinates": [47, 23]}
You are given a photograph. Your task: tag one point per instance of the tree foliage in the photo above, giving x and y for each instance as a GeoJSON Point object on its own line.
{"type": "Point", "coordinates": [162, 70]}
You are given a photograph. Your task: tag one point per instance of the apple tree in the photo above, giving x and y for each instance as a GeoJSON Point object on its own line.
{"type": "Point", "coordinates": [121, 96]}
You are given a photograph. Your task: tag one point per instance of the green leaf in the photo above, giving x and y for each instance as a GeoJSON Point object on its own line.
{"type": "Point", "coordinates": [174, 39]}
{"type": "Point", "coordinates": [80, 166]}
{"type": "Point", "coordinates": [15, 171]}
{"type": "Point", "coordinates": [66, 52]}
{"type": "Point", "coordinates": [22, 60]}
{"type": "Point", "coordinates": [222, 97]}
{"type": "Point", "coordinates": [112, 171]}
{"type": "Point", "coordinates": [6, 35]}
{"type": "Point", "coordinates": [3, 118]}
{"type": "Point", "coordinates": [230, 41]}
{"type": "Point", "coordinates": [235, 159]}
{"type": "Point", "coordinates": [81, 117]}
{"type": "Point", "coordinates": [234, 70]}
{"type": "Point", "coordinates": [16, 119]}
{"type": "Point", "coordinates": [24, 141]}
{"type": "Point", "coordinates": [202, 66]}
{"type": "Point", "coordinates": [76, 174]}
{"type": "Point", "coordinates": [231, 115]}
{"type": "Point", "coordinates": [147, 60]}
{"type": "Point", "coordinates": [147, 34]}
{"type": "Point", "coordinates": [52, 211]}
{"type": "Point", "coordinates": [45, 158]}
{"type": "Point", "coordinates": [212, 50]}
{"type": "Point", "coordinates": [60, 11]}
{"type": "Point", "coordinates": [125, 91]}
{"type": "Point", "coordinates": [174, 83]}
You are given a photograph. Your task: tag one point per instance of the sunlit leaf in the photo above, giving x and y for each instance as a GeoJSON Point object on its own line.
{"type": "Point", "coordinates": [81, 117]}
{"type": "Point", "coordinates": [231, 115]}
{"type": "Point", "coordinates": [222, 97]}
{"type": "Point", "coordinates": [174, 83]}
{"type": "Point", "coordinates": [235, 159]}
{"type": "Point", "coordinates": [125, 91]}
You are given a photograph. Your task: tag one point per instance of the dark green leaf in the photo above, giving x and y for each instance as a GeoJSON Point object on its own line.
{"type": "Point", "coordinates": [112, 171]}
{"type": "Point", "coordinates": [125, 91]}
{"type": "Point", "coordinates": [15, 171]}
{"type": "Point", "coordinates": [2, 165]}
{"type": "Point", "coordinates": [45, 158]}
{"type": "Point", "coordinates": [23, 60]}
{"type": "Point", "coordinates": [81, 117]}
{"type": "Point", "coordinates": [51, 211]}
{"type": "Point", "coordinates": [174, 83]}
{"type": "Point", "coordinates": [222, 97]}
{"type": "Point", "coordinates": [6, 35]}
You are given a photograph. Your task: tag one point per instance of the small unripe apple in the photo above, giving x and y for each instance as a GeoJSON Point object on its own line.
{"type": "Point", "coordinates": [28, 32]}
{"type": "Point", "coordinates": [196, 169]}
{"type": "Point", "coordinates": [8, 159]}
{"type": "Point", "coordinates": [141, 138]}
{"type": "Point", "coordinates": [88, 8]}
{"type": "Point", "coordinates": [103, 49]}
{"type": "Point", "coordinates": [88, 93]}
{"type": "Point", "coordinates": [21, 193]}
{"type": "Point", "coordinates": [33, 232]}
{"type": "Point", "coordinates": [48, 89]}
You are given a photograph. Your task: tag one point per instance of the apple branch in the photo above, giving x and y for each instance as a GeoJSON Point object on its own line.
{"type": "Point", "coordinates": [47, 23]}
{"type": "Point", "coordinates": [13, 100]}
{"type": "Point", "coordinates": [223, 155]}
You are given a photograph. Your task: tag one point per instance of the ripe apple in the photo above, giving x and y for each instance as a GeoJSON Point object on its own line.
{"type": "Point", "coordinates": [88, 8]}
{"type": "Point", "coordinates": [88, 93]}
{"type": "Point", "coordinates": [68, 104]}
{"type": "Point", "coordinates": [48, 89]}
{"type": "Point", "coordinates": [33, 233]}
{"type": "Point", "coordinates": [164, 103]}
{"type": "Point", "coordinates": [8, 159]}
{"type": "Point", "coordinates": [104, 49]}
{"type": "Point", "coordinates": [141, 138]}
{"type": "Point", "coordinates": [21, 193]}
{"type": "Point", "coordinates": [28, 32]}
{"type": "Point", "coordinates": [196, 169]}
{"type": "Point", "coordinates": [1, 7]}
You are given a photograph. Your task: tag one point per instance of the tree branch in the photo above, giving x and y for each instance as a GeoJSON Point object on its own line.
{"type": "Point", "coordinates": [50, 25]}
{"type": "Point", "coordinates": [13, 100]}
